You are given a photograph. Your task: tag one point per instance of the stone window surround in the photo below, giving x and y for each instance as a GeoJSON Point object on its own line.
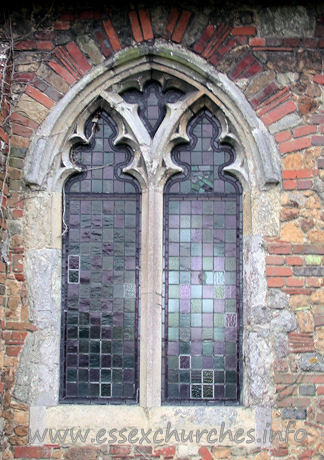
{"type": "Point", "coordinates": [256, 166]}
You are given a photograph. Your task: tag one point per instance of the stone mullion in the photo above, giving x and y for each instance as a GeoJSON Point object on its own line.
{"type": "Point", "coordinates": [151, 297]}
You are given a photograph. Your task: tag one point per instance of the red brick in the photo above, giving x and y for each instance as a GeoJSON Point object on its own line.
{"type": "Point", "coordinates": [320, 418]}
{"type": "Point", "coordinates": [181, 27]}
{"type": "Point", "coordinates": [275, 260]}
{"type": "Point", "coordinates": [23, 76]}
{"type": "Point", "coordinates": [280, 248]}
{"type": "Point", "coordinates": [32, 452]}
{"type": "Point", "coordinates": [62, 25]}
{"type": "Point", "coordinates": [111, 34]}
{"type": "Point", "coordinates": [304, 184]}
{"type": "Point", "coordinates": [13, 350]}
{"type": "Point", "coordinates": [297, 173]}
{"type": "Point", "coordinates": [4, 136]}
{"type": "Point", "coordinates": [256, 41]}
{"type": "Point", "coordinates": [283, 136]}
{"type": "Point", "coordinates": [215, 43]}
{"type": "Point", "coordinates": [103, 41]}
{"type": "Point", "coordinates": [264, 94]}
{"type": "Point", "coordinates": [301, 342]}
{"type": "Point", "coordinates": [146, 24]}
{"type": "Point", "coordinates": [294, 145]}
{"type": "Point", "coordinates": [295, 282]}
{"type": "Point", "coordinates": [78, 57]}
{"type": "Point", "coordinates": [294, 402]}
{"type": "Point", "coordinates": [14, 337]}
{"type": "Point", "coordinates": [313, 282]}
{"type": "Point", "coordinates": [114, 449]}
{"type": "Point", "coordinates": [224, 49]}
{"type": "Point", "coordinates": [308, 248]}
{"type": "Point", "coordinates": [279, 112]}
{"type": "Point", "coordinates": [60, 70]}
{"type": "Point", "coordinates": [204, 39]}
{"type": "Point", "coordinates": [291, 42]}
{"type": "Point", "coordinates": [244, 30]}
{"type": "Point", "coordinates": [39, 97]}
{"type": "Point", "coordinates": [320, 390]}
{"type": "Point", "coordinates": [136, 29]}
{"type": "Point", "coordinates": [45, 45]}
{"type": "Point", "coordinates": [279, 451]}
{"type": "Point", "coordinates": [289, 184]}
{"type": "Point", "coordinates": [317, 140]}
{"type": "Point", "coordinates": [319, 79]}
{"type": "Point", "coordinates": [294, 260]}
{"type": "Point", "coordinates": [22, 131]}
{"type": "Point", "coordinates": [68, 16]}
{"type": "Point", "coordinates": [304, 130]}
{"type": "Point", "coordinates": [26, 45]}
{"type": "Point", "coordinates": [171, 22]}
{"type": "Point", "coordinates": [253, 70]}
{"type": "Point", "coordinates": [12, 325]}
{"type": "Point", "coordinates": [17, 117]}
{"type": "Point", "coordinates": [168, 451]}
{"type": "Point", "coordinates": [205, 454]}
{"type": "Point", "coordinates": [241, 66]}
{"type": "Point", "coordinates": [297, 291]}
{"type": "Point", "coordinates": [275, 282]}
{"type": "Point", "coordinates": [279, 271]}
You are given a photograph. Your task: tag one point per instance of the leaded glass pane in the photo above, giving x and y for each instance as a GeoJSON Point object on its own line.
{"type": "Point", "coordinates": [202, 245]}
{"type": "Point", "coordinates": [152, 103]}
{"type": "Point", "coordinates": [100, 273]}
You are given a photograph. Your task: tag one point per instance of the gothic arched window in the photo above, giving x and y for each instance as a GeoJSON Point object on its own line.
{"type": "Point", "coordinates": [173, 194]}
{"type": "Point", "coordinates": [202, 238]}
{"type": "Point", "coordinates": [99, 355]}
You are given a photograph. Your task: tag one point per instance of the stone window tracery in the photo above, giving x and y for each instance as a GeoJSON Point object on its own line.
{"type": "Point", "coordinates": [100, 346]}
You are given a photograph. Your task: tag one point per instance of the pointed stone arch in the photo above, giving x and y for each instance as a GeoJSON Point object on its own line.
{"type": "Point", "coordinates": [48, 165]}
{"type": "Point", "coordinates": [258, 161]}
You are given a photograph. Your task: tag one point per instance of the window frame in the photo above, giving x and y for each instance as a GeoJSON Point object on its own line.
{"type": "Point", "coordinates": [47, 167]}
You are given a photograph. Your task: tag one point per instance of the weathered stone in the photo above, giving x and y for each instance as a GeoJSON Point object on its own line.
{"type": "Point", "coordinates": [311, 362]}
{"type": "Point", "coordinates": [284, 321]}
{"type": "Point", "coordinates": [37, 376]}
{"type": "Point", "coordinates": [292, 233]}
{"type": "Point", "coordinates": [221, 452]}
{"type": "Point", "coordinates": [257, 83]}
{"type": "Point", "coordinates": [305, 321]}
{"type": "Point", "coordinates": [311, 259]}
{"type": "Point", "coordinates": [308, 271]}
{"type": "Point", "coordinates": [307, 390]}
{"type": "Point", "coordinates": [90, 48]}
{"type": "Point", "coordinates": [280, 344]}
{"type": "Point", "coordinates": [289, 213]}
{"type": "Point", "coordinates": [307, 224]}
{"type": "Point", "coordinates": [317, 296]}
{"type": "Point", "coordinates": [51, 77]}
{"type": "Point", "coordinates": [81, 453]}
{"type": "Point", "coordinates": [260, 358]}
{"type": "Point", "coordinates": [293, 161]}
{"type": "Point", "coordinates": [298, 414]}
{"type": "Point", "coordinates": [316, 236]}
{"type": "Point", "coordinates": [32, 109]}
{"type": "Point", "coordinates": [319, 339]}
{"type": "Point", "coordinates": [286, 21]}
{"type": "Point", "coordinates": [287, 122]}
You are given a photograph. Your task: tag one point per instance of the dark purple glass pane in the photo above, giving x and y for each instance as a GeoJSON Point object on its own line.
{"type": "Point", "coordinates": [202, 243]}
{"type": "Point", "coordinates": [101, 254]}
{"type": "Point", "coordinates": [151, 103]}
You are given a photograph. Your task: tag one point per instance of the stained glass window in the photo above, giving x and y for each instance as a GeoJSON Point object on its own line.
{"type": "Point", "coordinates": [202, 248]}
{"type": "Point", "coordinates": [151, 103]}
{"type": "Point", "coordinates": [100, 272]}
